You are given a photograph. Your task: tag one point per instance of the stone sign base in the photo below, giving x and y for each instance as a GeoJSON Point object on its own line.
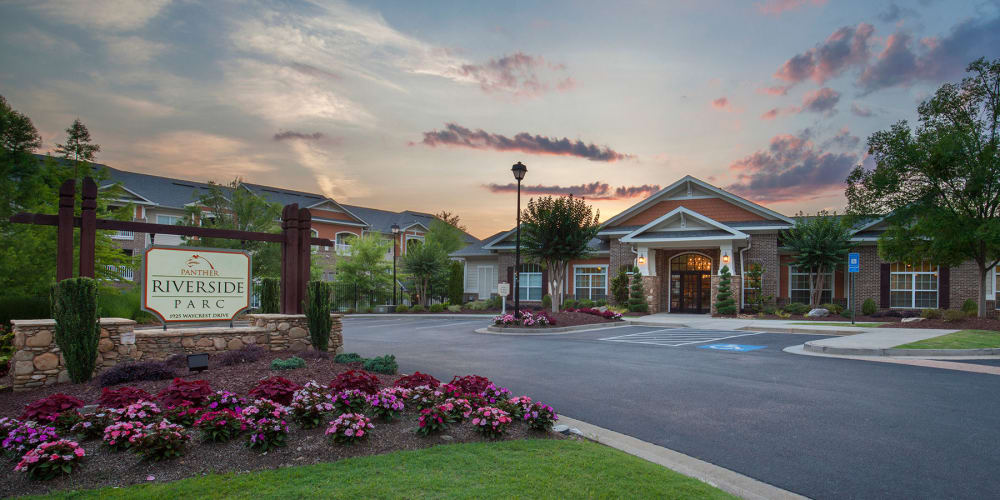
{"type": "Point", "coordinates": [38, 361]}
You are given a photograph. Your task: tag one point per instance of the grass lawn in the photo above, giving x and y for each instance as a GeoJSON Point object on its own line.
{"type": "Point", "coordinates": [509, 469]}
{"type": "Point", "coordinates": [962, 339]}
{"type": "Point", "coordinates": [839, 323]}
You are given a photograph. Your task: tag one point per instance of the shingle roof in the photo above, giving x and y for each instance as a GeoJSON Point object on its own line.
{"type": "Point", "coordinates": [382, 220]}
{"type": "Point", "coordinates": [475, 249]}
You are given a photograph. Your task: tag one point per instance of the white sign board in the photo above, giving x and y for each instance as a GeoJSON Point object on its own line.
{"type": "Point", "coordinates": [503, 289]}
{"type": "Point", "coordinates": [194, 284]}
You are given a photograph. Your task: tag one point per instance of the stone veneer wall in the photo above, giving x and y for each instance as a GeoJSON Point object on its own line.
{"type": "Point", "coordinates": [38, 361]}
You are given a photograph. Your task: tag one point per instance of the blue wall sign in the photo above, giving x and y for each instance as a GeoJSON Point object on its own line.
{"type": "Point", "coordinates": [732, 347]}
{"type": "Point", "coordinates": [853, 262]}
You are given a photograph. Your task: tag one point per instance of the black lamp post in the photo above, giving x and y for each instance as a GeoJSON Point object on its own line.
{"type": "Point", "coordinates": [395, 234]}
{"type": "Point", "coordinates": [519, 170]}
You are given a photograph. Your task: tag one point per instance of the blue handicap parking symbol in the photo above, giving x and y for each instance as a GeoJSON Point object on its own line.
{"type": "Point", "coordinates": [732, 347]}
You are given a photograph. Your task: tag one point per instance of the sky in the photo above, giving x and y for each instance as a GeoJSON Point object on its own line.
{"type": "Point", "coordinates": [426, 105]}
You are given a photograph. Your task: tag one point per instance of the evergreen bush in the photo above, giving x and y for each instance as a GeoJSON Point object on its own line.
{"type": "Point", "coordinates": [78, 330]}
{"type": "Point", "coordinates": [270, 295]}
{"type": "Point", "coordinates": [637, 295]}
{"type": "Point", "coordinates": [546, 302]}
{"type": "Point", "coordinates": [348, 357]}
{"type": "Point", "coordinates": [436, 308]}
{"type": "Point", "coordinates": [868, 307]}
{"type": "Point", "coordinates": [288, 364]}
{"type": "Point", "coordinates": [724, 303]}
{"type": "Point", "coordinates": [619, 287]}
{"type": "Point", "coordinates": [456, 283]}
{"type": "Point", "coordinates": [318, 314]}
{"type": "Point", "coordinates": [970, 307]}
{"type": "Point", "coordinates": [383, 364]}
{"type": "Point", "coordinates": [402, 308]}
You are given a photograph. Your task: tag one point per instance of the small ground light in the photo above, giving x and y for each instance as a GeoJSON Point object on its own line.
{"type": "Point", "coordinates": [197, 362]}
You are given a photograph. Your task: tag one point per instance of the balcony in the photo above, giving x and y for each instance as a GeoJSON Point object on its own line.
{"type": "Point", "coordinates": [123, 235]}
{"type": "Point", "coordinates": [127, 273]}
{"type": "Point", "coordinates": [343, 249]}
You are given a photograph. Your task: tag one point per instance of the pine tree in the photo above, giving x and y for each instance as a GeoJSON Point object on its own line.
{"type": "Point", "coordinates": [724, 303]}
{"type": "Point", "coordinates": [78, 147]}
{"type": "Point", "coordinates": [637, 295]}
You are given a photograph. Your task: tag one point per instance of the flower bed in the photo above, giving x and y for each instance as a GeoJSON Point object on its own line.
{"type": "Point", "coordinates": [166, 450]}
{"type": "Point", "coordinates": [567, 317]}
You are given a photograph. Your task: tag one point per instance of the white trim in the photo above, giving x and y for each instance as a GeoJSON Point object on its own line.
{"type": "Point", "coordinates": [146, 201]}
{"type": "Point", "coordinates": [498, 239]}
{"type": "Point", "coordinates": [341, 222]}
{"type": "Point", "coordinates": [346, 211]}
{"type": "Point", "coordinates": [606, 279]}
{"type": "Point", "coordinates": [415, 224]}
{"type": "Point", "coordinates": [631, 237]}
{"type": "Point", "coordinates": [689, 179]}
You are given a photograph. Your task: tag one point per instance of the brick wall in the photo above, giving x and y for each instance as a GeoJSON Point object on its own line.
{"type": "Point", "coordinates": [764, 251]}
{"type": "Point", "coordinates": [620, 255]}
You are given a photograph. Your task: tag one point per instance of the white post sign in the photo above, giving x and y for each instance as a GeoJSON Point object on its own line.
{"type": "Point", "coordinates": [194, 284]}
{"type": "Point", "coordinates": [503, 290]}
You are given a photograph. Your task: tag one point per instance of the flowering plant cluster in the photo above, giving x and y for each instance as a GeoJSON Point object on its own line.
{"type": "Point", "coordinates": [526, 319]}
{"type": "Point", "coordinates": [606, 314]}
{"type": "Point", "coordinates": [122, 397]}
{"type": "Point", "coordinates": [51, 459]}
{"type": "Point", "coordinates": [66, 420]}
{"type": "Point", "coordinates": [491, 422]}
{"type": "Point", "coordinates": [540, 416]}
{"type": "Point", "coordinates": [350, 401]}
{"type": "Point", "coordinates": [469, 384]}
{"type": "Point", "coordinates": [277, 389]}
{"type": "Point", "coordinates": [355, 379]}
{"type": "Point", "coordinates": [181, 390]}
{"type": "Point", "coordinates": [494, 394]}
{"type": "Point", "coordinates": [349, 428]}
{"type": "Point", "coordinates": [416, 380]}
{"type": "Point", "coordinates": [220, 426]}
{"type": "Point", "coordinates": [185, 413]}
{"type": "Point", "coordinates": [386, 405]}
{"type": "Point", "coordinates": [224, 400]}
{"type": "Point", "coordinates": [47, 409]}
{"type": "Point", "coordinates": [515, 406]}
{"type": "Point", "coordinates": [435, 419]}
{"type": "Point", "coordinates": [424, 397]}
{"type": "Point", "coordinates": [8, 424]}
{"type": "Point", "coordinates": [267, 423]}
{"type": "Point", "coordinates": [26, 436]}
{"type": "Point", "coordinates": [120, 435]}
{"type": "Point", "coordinates": [458, 409]}
{"type": "Point", "coordinates": [160, 441]}
{"type": "Point", "coordinates": [310, 404]}
{"type": "Point", "coordinates": [91, 425]}
{"type": "Point", "coordinates": [143, 411]}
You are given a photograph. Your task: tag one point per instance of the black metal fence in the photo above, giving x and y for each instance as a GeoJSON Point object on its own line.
{"type": "Point", "coordinates": [353, 297]}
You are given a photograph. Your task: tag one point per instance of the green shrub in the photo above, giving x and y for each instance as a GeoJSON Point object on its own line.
{"type": "Point", "coordinates": [846, 313]}
{"type": "Point", "coordinates": [288, 364]}
{"type": "Point", "coordinates": [619, 287]}
{"type": "Point", "coordinates": [600, 303]}
{"type": "Point", "coordinates": [77, 331]}
{"type": "Point", "coordinates": [402, 308]}
{"type": "Point", "coordinates": [23, 307]}
{"type": "Point", "coordinates": [569, 304]}
{"type": "Point", "coordinates": [724, 303]}
{"type": "Point", "coordinates": [382, 364]}
{"type": "Point", "coordinates": [955, 315]}
{"type": "Point", "coordinates": [436, 308]}
{"type": "Point", "coordinates": [349, 310]}
{"type": "Point", "coordinates": [494, 302]}
{"type": "Point", "coordinates": [833, 308]}
{"type": "Point", "coordinates": [456, 282]}
{"type": "Point", "coordinates": [417, 308]}
{"type": "Point", "coordinates": [868, 307]}
{"type": "Point", "coordinates": [932, 313]}
{"type": "Point", "coordinates": [455, 308]}
{"type": "Point", "coordinates": [348, 357]}
{"type": "Point", "coordinates": [270, 295]}
{"type": "Point", "coordinates": [477, 305]}
{"type": "Point", "coordinates": [796, 308]}
{"type": "Point", "coordinates": [769, 309]}
{"type": "Point", "coordinates": [585, 303]}
{"type": "Point", "coordinates": [781, 313]}
{"type": "Point", "coordinates": [546, 302]}
{"type": "Point", "coordinates": [970, 307]}
{"type": "Point", "coordinates": [320, 302]}
{"type": "Point", "coordinates": [637, 294]}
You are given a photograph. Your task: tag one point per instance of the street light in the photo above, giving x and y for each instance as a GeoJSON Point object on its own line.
{"type": "Point", "coordinates": [395, 233]}
{"type": "Point", "coordinates": [519, 170]}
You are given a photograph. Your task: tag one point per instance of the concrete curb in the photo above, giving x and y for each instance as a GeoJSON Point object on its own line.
{"type": "Point", "coordinates": [538, 332]}
{"type": "Point", "coordinates": [893, 352]}
{"type": "Point", "coordinates": [421, 315]}
{"type": "Point", "coordinates": [724, 479]}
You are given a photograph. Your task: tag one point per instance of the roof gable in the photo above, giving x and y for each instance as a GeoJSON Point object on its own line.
{"type": "Point", "coordinates": [682, 224]}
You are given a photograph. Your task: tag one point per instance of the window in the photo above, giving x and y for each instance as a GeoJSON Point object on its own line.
{"type": "Point", "coordinates": [800, 287]}
{"type": "Point", "coordinates": [414, 242]}
{"type": "Point", "coordinates": [171, 220]}
{"type": "Point", "coordinates": [343, 243]}
{"type": "Point", "coordinates": [691, 262]}
{"type": "Point", "coordinates": [913, 286]}
{"type": "Point", "coordinates": [530, 282]}
{"type": "Point", "coordinates": [590, 282]}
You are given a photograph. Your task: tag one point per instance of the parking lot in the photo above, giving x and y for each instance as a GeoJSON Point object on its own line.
{"type": "Point", "coordinates": [821, 427]}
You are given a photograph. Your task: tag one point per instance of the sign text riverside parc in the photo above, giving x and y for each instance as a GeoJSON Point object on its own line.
{"type": "Point", "coordinates": [195, 284]}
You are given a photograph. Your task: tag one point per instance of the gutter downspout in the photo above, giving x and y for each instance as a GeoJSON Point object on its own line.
{"type": "Point", "coordinates": [742, 275]}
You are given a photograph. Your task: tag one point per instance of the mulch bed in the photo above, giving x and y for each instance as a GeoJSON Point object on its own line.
{"type": "Point", "coordinates": [108, 468]}
{"type": "Point", "coordinates": [564, 318]}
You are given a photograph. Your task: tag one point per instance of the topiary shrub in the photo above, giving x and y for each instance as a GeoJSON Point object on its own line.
{"type": "Point", "coordinates": [637, 294]}
{"type": "Point", "coordinates": [724, 303]}
{"type": "Point", "coordinates": [288, 364]}
{"type": "Point", "coordinates": [181, 390]}
{"type": "Point", "coordinates": [318, 314]}
{"type": "Point", "coordinates": [122, 397]}
{"type": "Point", "coordinates": [970, 307]}
{"type": "Point", "coordinates": [416, 380]}
{"type": "Point", "coordinates": [77, 331]}
{"type": "Point", "coordinates": [270, 295]}
{"type": "Point", "coordinates": [619, 287]}
{"type": "Point", "coordinates": [355, 379]}
{"type": "Point", "coordinates": [277, 389]}
{"type": "Point", "coordinates": [868, 307]}
{"type": "Point", "coordinates": [436, 308]}
{"type": "Point", "coordinates": [833, 308]}
{"type": "Point", "coordinates": [546, 301]}
{"type": "Point", "coordinates": [955, 315]}
{"type": "Point", "coordinates": [382, 364]}
{"type": "Point", "coordinates": [48, 409]}
{"type": "Point", "coordinates": [123, 373]}
{"type": "Point", "coordinates": [931, 313]}
{"type": "Point", "coordinates": [417, 308]}
{"type": "Point", "coordinates": [402, 308]}
{"type": "Point", "coordinates": [246, 354]}
{"type": "Point", "coordinates": [348, 357]}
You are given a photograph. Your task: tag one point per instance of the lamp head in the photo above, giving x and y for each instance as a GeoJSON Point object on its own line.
{"type": "Point", "coordinates": [519, 170]}
{"type": "Point", "coordinates": [395, 228]}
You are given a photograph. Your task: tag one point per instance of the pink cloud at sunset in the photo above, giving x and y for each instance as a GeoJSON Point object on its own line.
{"type": "Point", "coordinates": [776, 7]}
{"type": "Point", "coordinates": [458, 136]}
{"type": "Point", "coordinates": [593, 190]}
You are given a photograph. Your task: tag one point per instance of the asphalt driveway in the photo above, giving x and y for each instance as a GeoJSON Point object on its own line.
{"type": "Point", "coordinates": [820, 427]}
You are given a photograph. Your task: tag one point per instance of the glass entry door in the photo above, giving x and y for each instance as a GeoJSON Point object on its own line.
{"type": "Point", "coordinates": [690, 292]}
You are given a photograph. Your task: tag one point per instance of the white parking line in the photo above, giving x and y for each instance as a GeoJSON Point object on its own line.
{"type": "Point", "coordinates": [675, 337]}
{"type": "Point", "coordinates": [449, 323]}
{"type": "Point", "coordinates": [368, 324]}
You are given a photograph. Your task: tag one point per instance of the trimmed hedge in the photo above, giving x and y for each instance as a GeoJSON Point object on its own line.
{"type": "Point", "coordinates": [24, 307]}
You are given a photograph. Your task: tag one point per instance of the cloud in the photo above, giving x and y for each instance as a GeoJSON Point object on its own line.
{"type": "Point", "coordinates": [325, 167]}
{"type": "Point", "coordinates": [723, 104]}
{"type": "Point", "coordinates": [120, 15]}
{"type": "Point", "coordinates": [776, 7]}
{"type": "Point", "coordinates": [185, 154]}
{"type": "Point", "coordinates": [820, 101]}
{"type": "Point", "coordinates": [291, 134]}
{"type": "Point", "coordinates": [517, 74]}
{"type": "Point", "coordinates": [861, 110]}
{"type": "Point", "coordinates": [594, 190]}
{"type": "Point", "coordinates": [770, 115]}
{"type": "Point", "coordinates": [894, 13]}
{"type": "Point", "coordinates": [456, 135]}
{"type": "Point", "coordinates": [846, 47]}
{"type": "Point", "coordinates": [775, 90]}
{"type": "Point", "coordinates": [131, 49]}
{"type": "Point", "coordinates": [792, 168]}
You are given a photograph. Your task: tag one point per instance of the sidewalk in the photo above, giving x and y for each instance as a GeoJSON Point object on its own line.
{"type": "Point", "coordinates": [707, 322]}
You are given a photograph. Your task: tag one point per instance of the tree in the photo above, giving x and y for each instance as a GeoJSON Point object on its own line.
{"type": "Point", "coordinates": [938, 185]}
{"type": "Point", "coordinates": [451, 219]}
{"type": "Point", "coordinates": [555, 231]}
{"type": "Point", "coordinates": [423, 263]}
{"type": "Point", "coordinates": [237, 208]}
{"type": "Point", "coordinates": [78, 148]}
{"type": "Point", "coordinates": [456, 284]}
{"type": "Point", "coordinates": [724, 302]}
{"type": "Point", "coordinates": [755, 288]}
{"type": "Point", "coordinates": [18, 166]}
{"type": "Point", "coordinates": [619, 287]}
{"type": "Point", "coordinates": [445, 236]}
{"type": "Point", "coordinates": [366, 267]}
{"type": "Point", "coordinates": [820, 243]}
{"type": "Point", "coordinates": [637, 294]}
